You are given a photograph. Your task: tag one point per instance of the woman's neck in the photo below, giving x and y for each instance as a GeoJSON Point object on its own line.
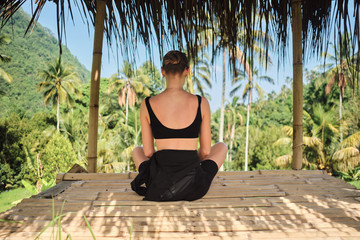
{"type": "Point", "coordinates": [174, 88]}
{"type": "Point", "coordinates": [174, 85]}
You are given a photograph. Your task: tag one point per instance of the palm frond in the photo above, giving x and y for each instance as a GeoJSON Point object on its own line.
{"type": "Point", "coordinates": [351, 141]}
{"type": "Point", "coordinates": [6, 76]}
{"type": "Point", "coordinates": [283, 161]}
{"type": "Point", "coordinates": [174, 22]}
{"type": "Point", "coordinates": [287, 130]}
{"type": "Point", "coordinates": [283, 141]}
{"type": "Point", "coordinates": [345, 154]}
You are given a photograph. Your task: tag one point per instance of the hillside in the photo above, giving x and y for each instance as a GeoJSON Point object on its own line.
{"type": "Point", "coordinates": [29, 55]}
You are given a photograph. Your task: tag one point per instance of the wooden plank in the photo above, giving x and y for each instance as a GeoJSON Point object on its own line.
{"type": "Point", "coordinates": [220, 190]}
{"type": "Point", "coordinates": [209, 236]}
{"type": "Point", "coordinates": [316, 186]}
{"type": "Point", "coordinates": [223, 193]}
{"type": "Point", "coordinates": [130, 175]}
{"type": "Point", "coordinates": [327, 193]}
{"type": "Point", "coordinates": [55, 190]}
{"type": "Point", "coordinates": [288, 219]}
{"type": "Point", "coordinates": [325, 205]}
{"type": "Point", "coordinates": [260, 234]}
{"type": "Point", "coordinates": [141, 207]}
{"type": "Point", "coordinates": [226, 226]}
{"type": "Point", "coordinates": [119, 223]}
{"type": "Point", "coordinates": [311, 198]}
{"type": "Point", "coordinates": [93, 176]}
{"type": "Point", "coordinates": [101, 186]}
{"type": "Point", "coordinates": [194, 204]}
{"type": "Point", "coordinates": [298, 172]}
{"type": "Point", "coordinates": [275, 175]}
{"type": "Point", "coordinates": [108, 211]}
{"type": "Point", "coordinates": [232, 194]}
{"type": "Point", "coordinates": [325, 216]}
{"type": "Point", "coordinates": [225, 221]}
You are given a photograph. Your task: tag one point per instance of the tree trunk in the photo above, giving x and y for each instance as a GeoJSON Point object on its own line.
{"type": "Point", "coordinates": [297, 85]}
{"type": "Point", "coordinates": [232, 136]}
{"type": "Point", "coordinates": [221, 128]}
{"type": "Point", "coordinates": [95, 85]}
{"type": "Point", "coordinates": [340, 114]}
{"type": "Point", "coordinates": [247, 134]}
{"type": "Point", "coordinates": [127, 103]}
{"type": "Point", "coordinates": [58, 114]}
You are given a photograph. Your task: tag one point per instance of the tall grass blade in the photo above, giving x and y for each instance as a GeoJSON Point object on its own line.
{"type": "Point", "coordinates": [12, 221]}
{"type": "Point", "coordinates": [131, 229]}
{"type": "Point", "coordinates": [59, 221]}
{"type": "Point", "coordinates": [88, 225]}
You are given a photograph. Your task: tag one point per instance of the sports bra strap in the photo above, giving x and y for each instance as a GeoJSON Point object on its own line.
{"type": "Point", "coordinates": [151, 113]}
{"type": "Point", "coordinates": [199, 98]}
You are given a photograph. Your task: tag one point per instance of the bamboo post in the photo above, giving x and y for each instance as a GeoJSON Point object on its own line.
{"type": "Point", "coordinates": [95, 85]}
{"type": "Point", "coordinates": [297, 85]}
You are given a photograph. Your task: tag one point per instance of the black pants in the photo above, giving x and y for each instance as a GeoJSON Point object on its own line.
{"type": "Point", "coordinates": [206, 173]}
{"type": "Point", "coordinates": [172, 175]}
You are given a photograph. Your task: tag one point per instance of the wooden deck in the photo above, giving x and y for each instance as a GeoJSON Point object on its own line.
{"type": "Point", "coordinates": [264, 204]}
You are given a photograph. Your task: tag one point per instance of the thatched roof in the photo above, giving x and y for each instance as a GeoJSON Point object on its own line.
{"type": "Point", "coordinates": [179, 23]}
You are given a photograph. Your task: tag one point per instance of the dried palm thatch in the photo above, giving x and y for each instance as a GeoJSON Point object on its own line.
{"type": "Point", "coordinates": [175, 22]}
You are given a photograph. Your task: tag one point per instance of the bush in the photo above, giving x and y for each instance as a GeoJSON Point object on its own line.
{"type": "Point", "coordinates": [57, 156]}
{"type": "Point", "coordinates": [12, 156]}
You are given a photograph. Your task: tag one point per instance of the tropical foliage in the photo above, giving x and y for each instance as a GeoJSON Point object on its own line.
{"type": "Point", "coordinates": [60, 83]}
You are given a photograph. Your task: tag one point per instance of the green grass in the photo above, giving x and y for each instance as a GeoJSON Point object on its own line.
{"type": "Point", "coordinates": [355, 183]}
{"type": "Point", "coordinates": [9, 199]}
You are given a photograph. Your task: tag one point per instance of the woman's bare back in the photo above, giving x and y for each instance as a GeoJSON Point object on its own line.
{"type": "Point", "coordinates": [175, 109]}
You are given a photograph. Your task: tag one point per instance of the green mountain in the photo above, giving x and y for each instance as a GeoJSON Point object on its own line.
{"type": "Point", "coordinates": [29, 55]}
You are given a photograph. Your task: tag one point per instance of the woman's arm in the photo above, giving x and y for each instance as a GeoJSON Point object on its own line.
{"type": "Point", "coordinates": [146, 133]}
{"type": "Point", "coordinates": [205, 130]}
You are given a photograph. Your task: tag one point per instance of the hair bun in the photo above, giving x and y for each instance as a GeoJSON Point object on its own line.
{"type": "Point", "coordinates": [175, 62]}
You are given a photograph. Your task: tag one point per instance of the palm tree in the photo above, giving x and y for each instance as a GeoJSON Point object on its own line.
{"type": "Point", "coordinates": [325, 127]}
{"type": "Point", "coordinates": [311, 143]}
{"type": "Point", "coordinates": [3, 58]}
{"type": "Point", "coordinates": [259, 38]}
{"type": "Point", "coordinates": [348, 152]}
{"type": "Point", "coordinates": [252, 73]}
{"type": "Point", "coordinates": [60, 82]}
{"type": "Point", "coordinates": [199, 74]}
{"type": "Point", "coordinates": [128, 84]}
{"type": "Point", "coordinates": [321, 133]}
{"type": "Point", "coordinates": [157, 82]}
{"type": "Point", "coordinates": [340, 71]}
{"type": "Point", "coordinates": [233, 117]}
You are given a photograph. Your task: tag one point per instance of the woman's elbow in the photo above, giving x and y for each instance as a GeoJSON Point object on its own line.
{"type": "Point", "coordinates": [204, 153]}
{"type": "Point", "coordinates": [148, 153]}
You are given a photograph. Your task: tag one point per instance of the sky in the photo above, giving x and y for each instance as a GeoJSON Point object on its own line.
{"type": "Point", "coordinates": [79, 40]}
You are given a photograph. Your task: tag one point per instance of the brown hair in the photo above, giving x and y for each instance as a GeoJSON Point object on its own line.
{"type": "Point", "coordinates": [175, 62]}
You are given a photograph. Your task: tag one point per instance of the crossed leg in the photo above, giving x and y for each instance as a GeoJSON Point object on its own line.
{"type": "Point", "coordinates": [217, 153]}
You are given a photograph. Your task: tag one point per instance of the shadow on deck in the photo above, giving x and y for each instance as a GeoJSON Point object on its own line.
{"type": "Point", "coordinates": [263, 204]}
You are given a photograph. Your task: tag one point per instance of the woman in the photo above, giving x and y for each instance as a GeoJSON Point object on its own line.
{"type": "Point", "coordinates": [177, 120]}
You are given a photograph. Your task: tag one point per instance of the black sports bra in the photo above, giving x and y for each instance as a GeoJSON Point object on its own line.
{"type": "Point", "coordinates": [161, 132]}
